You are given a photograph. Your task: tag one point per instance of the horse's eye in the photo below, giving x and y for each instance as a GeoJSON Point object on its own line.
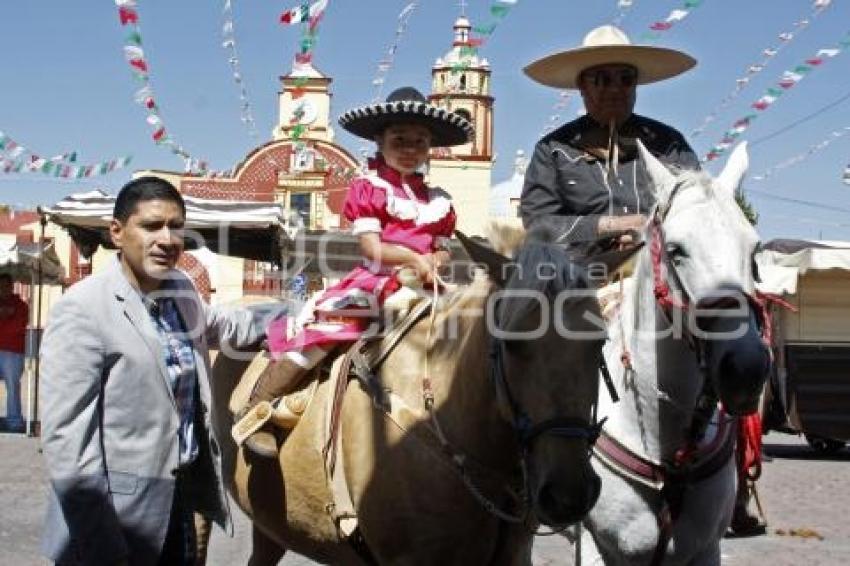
{"type": "Point", "coordinates": [676, 253]}
{"type": "Point", "coordinates": [754, 263]}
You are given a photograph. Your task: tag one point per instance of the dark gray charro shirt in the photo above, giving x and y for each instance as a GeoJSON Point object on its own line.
{"type": "Point", "coordinates": [568, 187]}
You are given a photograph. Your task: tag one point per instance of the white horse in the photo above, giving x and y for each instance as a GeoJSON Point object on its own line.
{"type": "Point", "coordinates": [686, 334]}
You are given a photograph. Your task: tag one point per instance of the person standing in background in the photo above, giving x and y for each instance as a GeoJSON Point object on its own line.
{"type": "Point", "coordinates": [14, 315]}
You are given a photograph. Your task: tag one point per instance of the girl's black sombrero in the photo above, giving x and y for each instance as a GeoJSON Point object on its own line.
{"type": "Point", "coordinates": [406, 105]}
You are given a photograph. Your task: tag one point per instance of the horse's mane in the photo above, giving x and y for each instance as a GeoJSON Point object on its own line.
{"type": "Point", "coordinates": [539, 267]}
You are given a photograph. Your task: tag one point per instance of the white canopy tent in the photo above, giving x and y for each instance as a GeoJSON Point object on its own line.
{"type": "Point", "coordinates": [253, 230]}
{"type": "Point", "coordinates": [809, 389]}
{"type": "Point", "coordinates": [26, 262]}
{"type": "Point", "coordinates": [782, 262]}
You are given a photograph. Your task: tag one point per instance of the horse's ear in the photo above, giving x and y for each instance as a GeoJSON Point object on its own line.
{"type": "Point", "coordinates": [662, 180]}
{"type": "Point", "coordinates": [605, 264]}
{"type": "Point", "coordinates": [733, 173]}
{"type": "Point", "coordinates": [495, 262]}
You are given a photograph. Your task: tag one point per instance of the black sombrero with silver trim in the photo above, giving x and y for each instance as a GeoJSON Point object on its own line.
{"type": "Point", "coordinates": [407, 105]}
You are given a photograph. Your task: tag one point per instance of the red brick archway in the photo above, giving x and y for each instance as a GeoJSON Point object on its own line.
{"type": "Point", "coordinates": [257, 176]}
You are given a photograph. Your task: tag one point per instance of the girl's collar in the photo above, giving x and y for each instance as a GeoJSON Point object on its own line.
{"type": "Point", "coordinates": [380, 166]}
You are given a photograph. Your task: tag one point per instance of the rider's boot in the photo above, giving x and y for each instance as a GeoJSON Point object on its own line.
{"type": "Point", "coordinates": [278, 379]}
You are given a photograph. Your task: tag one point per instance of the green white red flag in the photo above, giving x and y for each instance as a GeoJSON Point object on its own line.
{"type": "Point", "coordinates": [304, 12]}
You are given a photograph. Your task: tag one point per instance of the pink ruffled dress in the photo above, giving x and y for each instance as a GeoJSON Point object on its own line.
{"type": "Point", "coordinates": [404, 211]}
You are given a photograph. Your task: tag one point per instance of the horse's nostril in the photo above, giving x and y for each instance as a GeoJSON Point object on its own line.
{"type": "Point", "coordinates": [557, 505]}
{"type": "Point", "coordinates": [740, 380]}
{"type": "Point", "coordinates": [553, 506]}
{"type": "Point", "coordinates": [547, 498]}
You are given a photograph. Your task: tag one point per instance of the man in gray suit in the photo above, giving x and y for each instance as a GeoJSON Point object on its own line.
{"type": "Point", "coordinates": [126, 397]}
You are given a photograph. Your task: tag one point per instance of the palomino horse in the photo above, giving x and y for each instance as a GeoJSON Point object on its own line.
{"type": "Point", "coordinates": [686, 335]}
{"type": "Point", "coordinates": [512, 399]}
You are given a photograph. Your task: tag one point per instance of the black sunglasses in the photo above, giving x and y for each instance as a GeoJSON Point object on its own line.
{"type": "Point", "coordinates": [625, 78]}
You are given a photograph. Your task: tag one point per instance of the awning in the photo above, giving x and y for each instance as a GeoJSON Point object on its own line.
{"type": "Point", "coordinates": [24, 261]}
{"type": "Point", "coordinates": [252, 230]}
{"type": "Point", "coordinates": [782, 262]}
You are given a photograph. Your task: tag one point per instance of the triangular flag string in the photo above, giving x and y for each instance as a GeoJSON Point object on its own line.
{"type": "Point", "coordinates": [623, 8]}
{"type": "Point", "coordinates": [658, 27]}
{"type": "Point", "coordinates": [800, 157]}
{"type": "Point", "coordinates": [310, 15]}
{"type": "Point", "coordinates": [386, 62]}
{"type": "Point", "coordinates": [558, 108]}
{"type": "Point", "coordinates": [303, 12]}
{"type": "Point", "coordinates": [229, 44]}
{"type": "Point", "coordinates": [498, 10]}
{"type": "Point", "coordinates": [788, 80]}
{"type": "Point", "coordinates": [17, 158]}
{"type": "Point", "coordinates": [768, 54]}
{"type": "Point", "coordinates": [128, 16]}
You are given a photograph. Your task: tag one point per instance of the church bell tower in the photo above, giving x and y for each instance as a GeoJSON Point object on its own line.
{"type": "Point", "coordinates": [304, 105]}
{"type": "Point", "coordinates": [461, 84]}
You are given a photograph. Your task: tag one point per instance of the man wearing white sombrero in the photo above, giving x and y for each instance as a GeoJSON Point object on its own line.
{"type": "Point", "coordinates": [584, 179]}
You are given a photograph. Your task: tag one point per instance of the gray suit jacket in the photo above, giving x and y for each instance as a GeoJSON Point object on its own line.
{"type": "Point", "coordinates": [109, 420]}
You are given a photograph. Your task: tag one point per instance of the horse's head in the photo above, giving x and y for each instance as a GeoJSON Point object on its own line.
{"type": "Point", "coordinates": [702, 249]}
{"type": "Point", "coordinates": [546, 336]}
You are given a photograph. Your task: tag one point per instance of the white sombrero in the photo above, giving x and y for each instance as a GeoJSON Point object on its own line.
{"type": "Point", "coordinates": [408, 105]}
{"type": "Point", "coordinates": [608, 45]}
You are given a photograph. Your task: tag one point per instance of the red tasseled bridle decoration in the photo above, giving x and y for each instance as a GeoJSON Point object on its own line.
{"type": "Point", "coordinates": [749, 447]}
{"type": "Point", "coordinates": [661, 289]}
{"type": "Point", "coordinates": [764, 301]}
{"type": "Point", "coordinates": [749, 426]}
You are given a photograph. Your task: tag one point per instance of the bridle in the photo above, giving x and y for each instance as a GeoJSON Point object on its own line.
{"type": "Point", "coordinates": [666, 301]}
{"type": "Point", "coordinates": [661, 286]}
{"type": "Point", "coordinates": [683, 468]}
{"type": "Point", "coordinates": [527, 432]}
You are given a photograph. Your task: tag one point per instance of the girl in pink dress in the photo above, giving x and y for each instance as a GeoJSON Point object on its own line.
{"type": "Point", "coordinates": [400, 222]}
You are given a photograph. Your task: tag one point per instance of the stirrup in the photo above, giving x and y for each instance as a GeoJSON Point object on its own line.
{"type": "Point", "coordinates": [288, 410]}
{"type": "Point", "coordinates": [252, 421]}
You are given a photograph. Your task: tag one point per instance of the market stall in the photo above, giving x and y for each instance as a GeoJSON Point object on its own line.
{"type": "Point", "coordinates": [810, 389]}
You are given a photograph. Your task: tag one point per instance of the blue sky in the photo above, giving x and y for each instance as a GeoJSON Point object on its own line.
{"type": "Point", "coordinates": [66, 85]}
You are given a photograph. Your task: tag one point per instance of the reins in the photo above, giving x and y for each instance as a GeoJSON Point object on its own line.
{"type": "Point", "coordinates": [457, 458]}
{"type": "Point", "coordinates": [526, 432]}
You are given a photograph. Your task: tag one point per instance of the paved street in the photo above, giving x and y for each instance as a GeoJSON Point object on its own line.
{"type": "Point", "coordinates": [801, 493]}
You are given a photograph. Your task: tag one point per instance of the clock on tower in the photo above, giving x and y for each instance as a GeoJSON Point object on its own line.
{"type": "Point", "coordinates": [304, 101]}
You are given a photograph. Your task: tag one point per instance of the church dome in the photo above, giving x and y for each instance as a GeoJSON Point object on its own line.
{"type": "Point", "coordinates": [504, 196]}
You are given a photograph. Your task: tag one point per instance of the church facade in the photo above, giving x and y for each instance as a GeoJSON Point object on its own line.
{"type": "Point", "coordinates": [301, 168]}
{"type": "Point", "coordinates": [307, 173]}
{"type": "Point", "coordinates": [304, 170]}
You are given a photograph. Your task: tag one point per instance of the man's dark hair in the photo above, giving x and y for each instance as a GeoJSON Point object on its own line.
{"type": "Point", "coordinates": [145, 189]}
{"type": "Point", "coordinates": [6, 277]}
